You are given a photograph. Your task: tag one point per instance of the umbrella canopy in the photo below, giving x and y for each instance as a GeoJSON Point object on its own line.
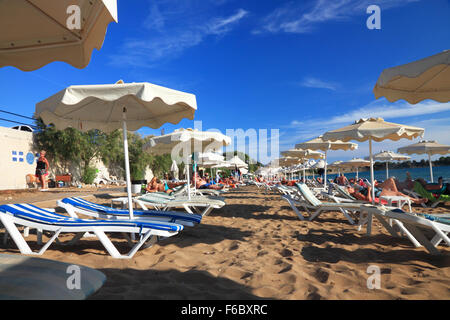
{"type": "Point", "coordinates": [303, 154]}
{"type": "Point", "coordinates": [210, 157]}
{"type": "Point", "coordinates": [389, 156]}
{"type": "Point", "coordinates": [426, 147]}
{"type": "Point", "coordinates": [110, 107]}
{"type": "Point", "coordinates": [355, 163]}
{"type": "Point", "coordinates": [182, 143]}
{"type": "Point", "coordinates": [320, 143]}
{"type": "Point", "coordinates": [237, 162]}
{"type": "Point", "coordinates": [428, 78]}
{"type": "Point", "coordinates": [374, 129]}
{"type": "Point", "coordinates": [42, 31]}
{"type": "Point", "coordinates": [102, 107]}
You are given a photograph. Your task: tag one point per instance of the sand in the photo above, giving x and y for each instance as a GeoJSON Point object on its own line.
{"type": "Point", "coordinates": [256, 248]}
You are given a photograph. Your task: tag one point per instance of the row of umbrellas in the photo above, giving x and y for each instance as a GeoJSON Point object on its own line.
{"type": "Point", "coordinates": [39, 32]}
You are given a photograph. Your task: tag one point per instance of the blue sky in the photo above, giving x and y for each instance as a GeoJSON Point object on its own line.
{"type": "Point", "coordinates": [303, 67]}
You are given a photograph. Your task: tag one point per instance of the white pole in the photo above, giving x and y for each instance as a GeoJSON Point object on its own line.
{"type": "Point", "coordinates": [372, 178]}
{"type": "Point", "coordinates": [357, 173]}
{"type": "Point", "coordinates": [387, 170]}
{"type": "Point", "coordinates": [325, 179]}
{"type": "Point", "coordinates": [127, 162]}
{"type": "Point", "coordinates": [188, 179]}
{"type": "Point", "coordinates": [431, 167]}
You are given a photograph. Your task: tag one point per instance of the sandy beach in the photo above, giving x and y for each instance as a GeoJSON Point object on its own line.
{"type": "Point", "coordinates": [256, 248]}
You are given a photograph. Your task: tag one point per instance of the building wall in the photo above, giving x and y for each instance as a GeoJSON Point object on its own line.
{"type": "Point", "coordinates": [17, 158]}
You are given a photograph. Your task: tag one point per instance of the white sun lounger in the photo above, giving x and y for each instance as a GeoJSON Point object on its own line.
{"type": "Point", "coordinates": [75, 206]}
{"type": "Point", "coordinates": [411, 224]}
{"type": "Point", "coordinates": [202, 205]}
{"type": "Point", "coordinates": [309, 201]}
{"type": "Point", "coordinates": [48, 221]}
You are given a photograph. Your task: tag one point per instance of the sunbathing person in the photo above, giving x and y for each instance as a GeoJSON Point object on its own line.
{"type": "Point", "coordinates": [387, 188]}
{"type": "Point", "coordinates": [203, 184]}
{"type": "Point", "coordinates": [342, 180]}
{"type": "Point", "coordinates": [155, 185]}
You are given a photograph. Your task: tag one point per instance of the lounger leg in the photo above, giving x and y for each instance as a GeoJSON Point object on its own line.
{"type": "Point", "coordinates": [315, 215]}
{"type": "Point", "coordinates": [291, 203]}
{"type": "Point", "coordinates": [387, 226]}
{"type": "Point", "coordinates": [15, 235]}
{"type": "Point", "coordinates": [112, 249]}
{"type": "Point", "coordinates": [345, 212]}
{"type": "Point", "coordinates": [422, 239]}
{"type": "Point", "coordinates": [441, 235]}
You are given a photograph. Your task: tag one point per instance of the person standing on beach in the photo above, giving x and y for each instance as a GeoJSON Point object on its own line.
{"type": "Point", "coordinates": [42, 167]}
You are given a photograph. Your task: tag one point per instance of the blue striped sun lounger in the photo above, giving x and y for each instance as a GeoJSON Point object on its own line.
{"type": "Point", "coordinates": [75, 206]}
{"type": "Point", "coordinates": [44, 220]}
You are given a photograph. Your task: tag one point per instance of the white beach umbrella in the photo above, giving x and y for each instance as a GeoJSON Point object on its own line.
{"type": "Point", "coordinates": [37, 32]}
{"type": "Point", "coordinates": [117, 106]}
{"type": "Point", "coordinates": [426, 147]}
{"type": "Point", "coordinates": [389, 156]}
{"type": "Point", "coordinates": [355, 163]}
{"type": "Point", "coordinates": [320, 143]}
{"type": "Point", "coordinates": [183, 143]}
{"type": "Point", "coordinates": [374, 129]}
{"type": "Point", "coordinates": [237, 162]}
{"type": "Point", "coordinates": [335, 165]}
{"type": "Point", "coordinates": [427, 78]}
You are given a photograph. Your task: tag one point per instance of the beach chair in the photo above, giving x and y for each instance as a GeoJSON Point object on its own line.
{"type": "Point", "coordinates": [75, 206]}
{"type": "Point", "coordinates": [202, 205]}
{"type": "Point", "coordinates": [412, 224]}
{"type": "Point", "coordinates": [310, 202]}
{"type": "Point", "coordinates": [13, 215]}
{"type": "Point", "coordinates": [419, 192]}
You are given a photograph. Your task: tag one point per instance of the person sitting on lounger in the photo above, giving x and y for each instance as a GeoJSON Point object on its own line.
{"type": "Point", "coordinates": [342, 180]}
{"type": "Point", "coordinates": [155, 185]}
{"type": "Point", "coordinates": [387, 188]}
{"type": "Point", "coordinates": [203, 184]}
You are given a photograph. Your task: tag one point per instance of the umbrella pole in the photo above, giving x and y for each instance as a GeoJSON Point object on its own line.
{"type": "Point", "coordinates": [187, 175]}
{"type": "Point", "coordinates": [431, 167]}
{"type": "Point", "coordinates": [371, 171]}
{"type": "Point", "coordinates": [127, 163]}
{"type": "Point", "coordinates": [325, 179]}
{"type": "Point", "coordinates": [387, 170]}
{"type": "Point", "coordinates": [356, 173]}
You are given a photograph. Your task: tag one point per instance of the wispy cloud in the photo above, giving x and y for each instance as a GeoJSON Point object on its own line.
{"type": "Point", "coordinates": [175, 26]}
{"type": "Point", "coordinates": [310, 82]}
{"type": "Point", "coordinates": [304, 17]}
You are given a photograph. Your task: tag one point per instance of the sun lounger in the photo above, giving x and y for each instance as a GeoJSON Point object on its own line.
{"type": "Point", "coordinates": [202, 205]}
{"type": "Point", "coordinates": [420, 192]}
{"type": "Point", "coordinates": [48, 221]}
{"type": "Point", "coordinates": [75, 206]}
{"type": "Point", "coordinates": [411, 224]}
{"type": "Point", "coordinates": [310, 202]}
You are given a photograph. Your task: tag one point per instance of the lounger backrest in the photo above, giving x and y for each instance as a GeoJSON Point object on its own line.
{"type": "Point", "coordinates": [94, 207]}
{"type": "Point", "coordinates": [343, 192]}
{"type": "Point", "coordinates": [308, 195]}
{"type": "Point", "coordinates": [42, 216]}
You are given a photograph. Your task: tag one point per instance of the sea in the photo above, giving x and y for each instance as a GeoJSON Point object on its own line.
{"type": "Point", "coordinates": [400, 174]}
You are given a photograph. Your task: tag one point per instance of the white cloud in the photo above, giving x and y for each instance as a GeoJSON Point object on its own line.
{"type": "Point", "coordinates": [310, 82]}
{"type": "Point", "coordinates": [173, 31]}
{"type": "Point", "coordinates": [301, 17]}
